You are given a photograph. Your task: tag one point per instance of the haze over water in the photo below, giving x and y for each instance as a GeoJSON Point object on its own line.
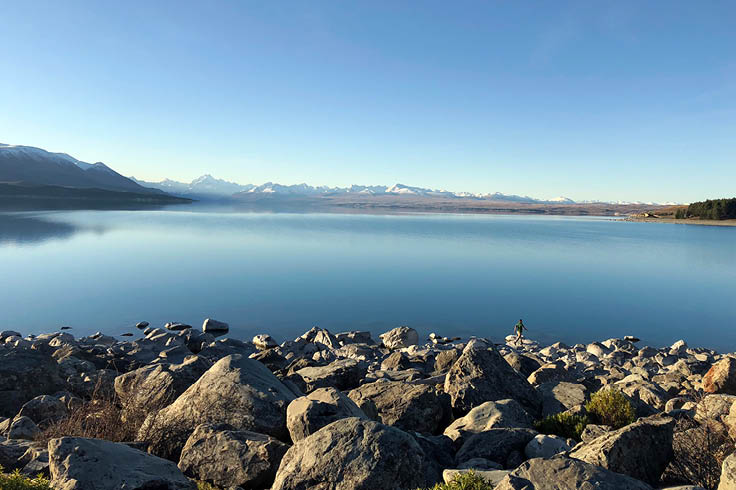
{"type": "Point", "coordinates": [570, 279]}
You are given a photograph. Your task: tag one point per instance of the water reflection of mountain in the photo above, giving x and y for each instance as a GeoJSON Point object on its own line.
{"type": "Point", "coordinates": [26, 229]}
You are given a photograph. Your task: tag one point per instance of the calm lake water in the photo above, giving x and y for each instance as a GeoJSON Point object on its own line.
{"type": "Point", "coordinates": [570, 279]}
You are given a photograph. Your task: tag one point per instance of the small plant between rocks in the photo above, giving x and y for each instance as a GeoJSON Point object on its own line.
{"type": "Point", "coordinates": [17, 481]}
{"type": "Point", "coordinates": [465, 481]}
{"type": "Point", "coordinates": [567, 425]}
{"type": "Point", "coordinates": [610, 407]}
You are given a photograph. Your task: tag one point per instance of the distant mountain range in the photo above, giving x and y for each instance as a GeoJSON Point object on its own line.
{"type": "Point", "coordinates": [34, 166]}
{"type": "Point", "coordinates": [208, 186]}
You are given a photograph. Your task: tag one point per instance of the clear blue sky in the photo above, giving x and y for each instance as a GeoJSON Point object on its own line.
{"type": "Point", "coordinates": [591, 100]}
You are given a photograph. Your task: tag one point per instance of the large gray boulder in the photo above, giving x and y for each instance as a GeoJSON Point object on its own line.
{"type": "Point", "coordinates": [236, 391]}
{"type": "Point", "coordinates": [353, 454]}
{"type": "Point", "coordinates": [43, 409]}
{"type": "Point", "coordinates": [25, 374]}
{"type": "Point", "coordinates": [558, 396]}
{"type": "Point", "coordinates": [93, 464]}
{"type": "Point", "coordinates": [343, 374]}
{"type": "Point", "coordinates": [641, 450]}
{"type": "Point", "coordinates": [481, 375]}
{"type": "Point", "coordinates": [561, 473]}
{"type": "Point", "coordinates": [308, 414]}
{"type": "Point", "coordinates": [410, 407]}
{"type": "Point", "coordinates": [399, 338]}
{"type": "Point", "coordinates": [501, 414]}
{"type": "Point", "coordinates": [229, 458]}
{"type": "Point", "coordinates": [155, 386]}
{"type": "Point", "coordinates": [495, 444]}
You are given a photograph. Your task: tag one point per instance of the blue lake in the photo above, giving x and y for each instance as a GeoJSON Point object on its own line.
{"type": "Point", "coordinates": [570, 279]}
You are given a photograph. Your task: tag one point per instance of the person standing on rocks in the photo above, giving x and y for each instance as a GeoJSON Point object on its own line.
{"type": "Point", "coordinates": [519, 329]}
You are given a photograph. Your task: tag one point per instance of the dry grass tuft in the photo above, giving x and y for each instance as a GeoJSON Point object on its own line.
{"type": "Point", "coordinates": [699, 446]}
{"type": "Point", "coordinates": [105, 416]}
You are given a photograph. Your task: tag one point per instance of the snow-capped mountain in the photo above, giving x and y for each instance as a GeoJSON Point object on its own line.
{"type": "Point", "coordinates": [204, 186]}
{"type": "Point", "coordinates": [562, 200]}
{"type": "Point", "coordinates": [297, 189]}
{"type": "Point", "coordinates": [32, 165]}
{"type": "Point", "coordinates": [405, 189]}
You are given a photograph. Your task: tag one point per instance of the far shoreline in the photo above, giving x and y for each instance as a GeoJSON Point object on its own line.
{"type": "Point", "coordinates": [673, 221]}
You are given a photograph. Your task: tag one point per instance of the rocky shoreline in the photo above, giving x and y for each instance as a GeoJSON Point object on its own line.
{"type": "Point", "coordinates": [344, 411]}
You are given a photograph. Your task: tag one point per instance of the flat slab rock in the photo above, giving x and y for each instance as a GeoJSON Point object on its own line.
{"type": "Point", "coordinates": [641, 450]}
{"type": "Point", "coordinates": [92, 464]}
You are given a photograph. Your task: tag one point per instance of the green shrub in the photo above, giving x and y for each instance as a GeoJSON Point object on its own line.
{"type": "Point", "coordinates": [203, 485]}
{"type": "Point", "coordinates": [610, 407]}
{"type": "Point", "coordinates": [465, 481]}
{"type": "Point", "coordinates": [562, 424]}
{"type": "Point", "coordinates": [16, 481]}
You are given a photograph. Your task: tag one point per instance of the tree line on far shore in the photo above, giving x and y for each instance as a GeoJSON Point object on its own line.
{"type": "Point", "coordinates": [710, 209]}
